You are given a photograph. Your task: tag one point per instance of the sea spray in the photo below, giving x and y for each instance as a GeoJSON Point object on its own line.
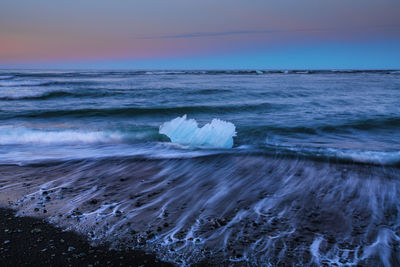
{"type": "Point", "coordinates": [217, 134]}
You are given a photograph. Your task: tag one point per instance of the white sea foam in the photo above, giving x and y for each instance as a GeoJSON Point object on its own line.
{"type": "Point", "coordinates": [217, 134]}
{"type": "Point", "coordinates": [353, 155]}
{"type": "Point", "coordinates": [20, 135]}
{"type": "Point", "coordinates": [377, 157]}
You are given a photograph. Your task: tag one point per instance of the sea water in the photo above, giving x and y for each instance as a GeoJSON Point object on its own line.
{"type": "Point", "coordinates": [231, 167]}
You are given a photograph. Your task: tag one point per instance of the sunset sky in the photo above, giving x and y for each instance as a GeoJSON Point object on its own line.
{"type": "Point", "coordinates": [180, 34]}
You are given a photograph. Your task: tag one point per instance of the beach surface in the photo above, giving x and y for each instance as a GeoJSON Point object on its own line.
{"type": "Point", "coordinates": [27, 241]}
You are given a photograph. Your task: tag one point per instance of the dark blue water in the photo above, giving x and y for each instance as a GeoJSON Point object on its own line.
{"type": "Point", "coordinates": [327, 114]}
{"type": "Point", "coordinates": [312, 177]}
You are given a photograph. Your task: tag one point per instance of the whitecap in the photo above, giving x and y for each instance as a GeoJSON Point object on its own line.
{"type": "Point", "coordinates": [20, 135]}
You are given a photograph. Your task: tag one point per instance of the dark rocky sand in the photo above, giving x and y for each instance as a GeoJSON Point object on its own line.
{"type": "Point", "coordinates": [27, 241]}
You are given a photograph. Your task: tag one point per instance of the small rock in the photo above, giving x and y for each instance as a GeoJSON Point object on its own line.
{"type": "Point", "coordinates": [71, 249]}
{"type": "Point", "coordinates": [7, 241]}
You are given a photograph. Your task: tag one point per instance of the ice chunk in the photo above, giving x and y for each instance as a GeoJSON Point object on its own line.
{"type": "Point", "coordinates": [217, 134]}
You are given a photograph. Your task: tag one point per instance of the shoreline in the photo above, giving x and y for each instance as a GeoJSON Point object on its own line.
{"type": "Point", "coordinates": [28, 241]}
{"type": "Point", "coordinates": [272, 211]}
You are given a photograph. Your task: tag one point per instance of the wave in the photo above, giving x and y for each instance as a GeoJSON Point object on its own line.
{"type": "Point", "coordinates": [260, 72]}
{"type": "Point", "coordinates": [22, 83]}
{"type": "Point", "coordinates": [33, 136]}
{"type": "Point", "coordinates": [13, 83]}
{"type": "Point", "coordinates": [337, 154]}
{"type": "Point", "coordinates": [6, 77]}
{"type": "Point", "coordinates": [209, 91]}
{"type": "Point", "coordinates": [138, 111]}
{"type": "Point", "coordinates": [91, 93]}
{"type": "Point", "coordinates": [12, 136]}
{"type": "Point", "coordinates": [367, 124]}
{"type": "Point", "coordinates": [371, 157]}
{"type": "Point", "coordinates": [58, 94]}
{"type": "Point", "coordinates": [88, 74]}
{"type": "Point", "coordinates": [217, 134]}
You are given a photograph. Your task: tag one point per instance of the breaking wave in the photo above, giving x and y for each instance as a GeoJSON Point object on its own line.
{"type": "Point", "coordinates": [340, 155]}
{"type": "Point", "coordinates": [9, 136]}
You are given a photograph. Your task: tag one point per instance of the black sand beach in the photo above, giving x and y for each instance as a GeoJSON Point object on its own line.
{"type": "Point", "coordinates": [27, 241]}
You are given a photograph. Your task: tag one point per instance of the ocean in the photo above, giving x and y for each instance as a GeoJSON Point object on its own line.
{"type": "Point", "coordinates": [225, 167]}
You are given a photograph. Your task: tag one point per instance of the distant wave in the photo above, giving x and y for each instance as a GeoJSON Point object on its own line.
{"type": "Point", "coordinates": [209, 91]}
{"type": "Point", "coordinates": [58, 94]}
{"type": "Point", "coordinates": [132, 111]}
{"type": "Point", "coordinates": [6, 77]}
{"type": "Point", "coordinates": [13, 83]}
{"type": "Point", "coordinates": [365, 124]}
{"type": "Point", "coordinates": [261, 71]}
{"type": "Point", "coordinates": [88, 74]}
{"type": "Point", "coordinates": [368, 124]}
{"type": "Point", "coordinates": [89, 93]}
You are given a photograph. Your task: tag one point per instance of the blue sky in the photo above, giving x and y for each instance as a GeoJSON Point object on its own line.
{"type": "Point", "coordinates": [181, 34]}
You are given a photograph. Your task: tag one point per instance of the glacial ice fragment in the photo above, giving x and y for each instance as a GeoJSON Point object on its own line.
{"type": "Point", "coordinates": [217, 134]}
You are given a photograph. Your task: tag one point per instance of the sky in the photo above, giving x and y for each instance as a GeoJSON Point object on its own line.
{"type": "Point", "coordinates": [207, 34]}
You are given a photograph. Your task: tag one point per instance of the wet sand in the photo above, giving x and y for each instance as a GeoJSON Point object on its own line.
{"type": "Point", "coordinates": [225, 210]}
